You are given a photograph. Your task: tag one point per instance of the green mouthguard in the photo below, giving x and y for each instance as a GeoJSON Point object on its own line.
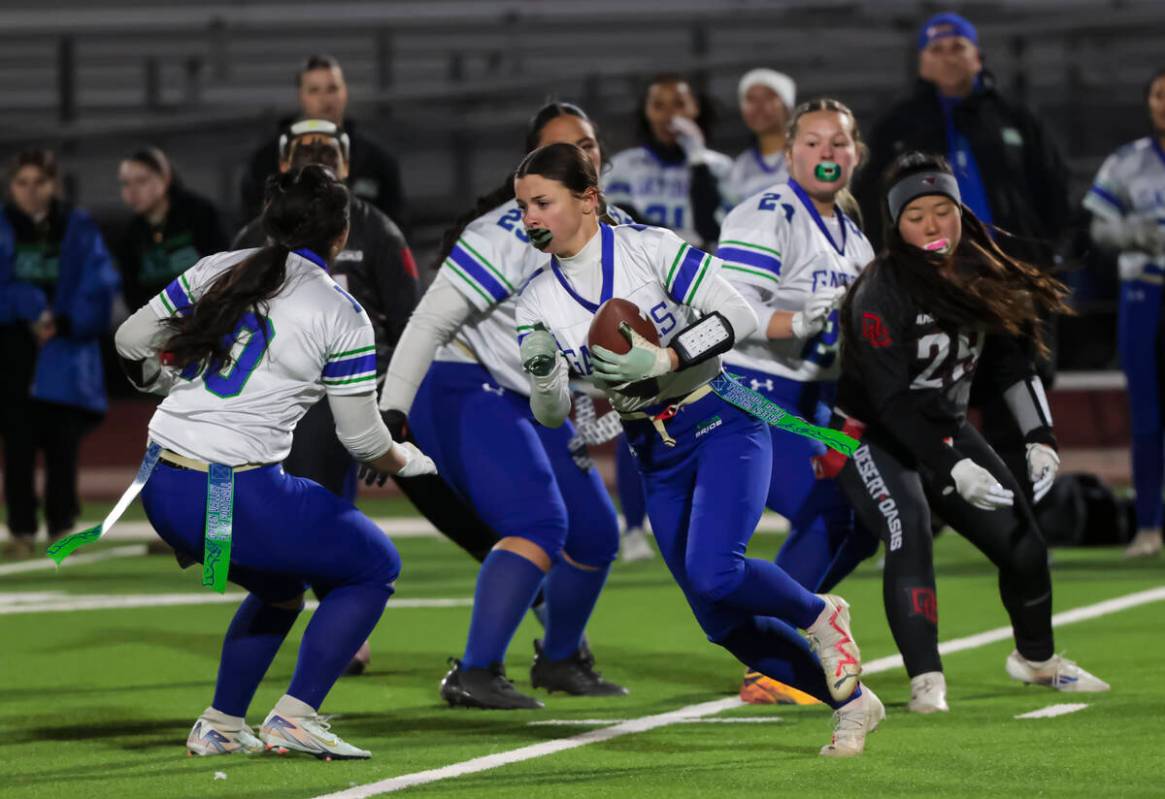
{"type": "Point", "coordinates": [827, 171]}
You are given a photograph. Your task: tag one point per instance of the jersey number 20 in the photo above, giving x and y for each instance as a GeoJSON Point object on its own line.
{"type": "Point", "coordinates": [229, 381]}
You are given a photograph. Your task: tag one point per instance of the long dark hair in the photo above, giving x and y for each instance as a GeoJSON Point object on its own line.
{"type": "Point", "coordinates": [977, 285]}
{"type": "Point", "coordinates": [505, 192]}
{"type": "Point", "coordinates": [705, 118]}
{"type": "Point", "coordinates": [306, 207]}
{"type": "Point", "coordinates": [1157, 75]}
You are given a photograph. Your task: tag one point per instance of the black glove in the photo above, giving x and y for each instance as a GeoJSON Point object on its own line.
{"type": "Point", "coordinates": [398, 427]}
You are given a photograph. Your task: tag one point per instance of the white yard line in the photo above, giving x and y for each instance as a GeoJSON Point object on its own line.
{"type": "Point", "coordinates": [1051, 711]}
{"type": "Point", "coordinates": [395, 526]}
{"type": "Point", "coordinates": [44, 564]}
{"type": "Point", "coordinates": [693, 712]}
{"type": "Point", "coordinates": [607, 722]}
{"type": "Point", "coordinates": [13, 605]}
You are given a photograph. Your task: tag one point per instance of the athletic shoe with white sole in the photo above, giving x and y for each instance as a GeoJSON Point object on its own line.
{"type": "Point", "coordinates": [634, 546]}
{"type": "Point", "coordinates": [309, 733]}
{"type": "Point", "coordinates": [215, 733]}
{"type": "Point", "coordinates": [852, 722]}
{"type": "Point", "coordinates": [928, 693]}
{"type": "Point", "coordinates": [833, 643]}
{"type": "Point", "coordinates": [1145, 544]}
{"type": "Point", "coordinates": [1056, 672]}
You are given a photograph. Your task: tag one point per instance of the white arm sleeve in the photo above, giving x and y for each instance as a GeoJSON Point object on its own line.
{"type": "Point", "coordinates": [139, 339]}
{"type": "Point", "coordinates": [719, 295]}
{"type": "Point", "coordinates": [434, 322]}
{"type": "Point", "coordinates": [755, 297]}
{"type": "Point", "coordinates": [550, 395]}
{"type": "Point", "coordinates": [359, 426]}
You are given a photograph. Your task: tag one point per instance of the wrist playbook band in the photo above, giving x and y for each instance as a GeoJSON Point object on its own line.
{"type": "Point", "coordinates": [704, 339]}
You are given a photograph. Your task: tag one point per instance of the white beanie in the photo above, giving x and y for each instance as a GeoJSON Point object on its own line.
{"type": "Point", "coordinates": [779, 82]}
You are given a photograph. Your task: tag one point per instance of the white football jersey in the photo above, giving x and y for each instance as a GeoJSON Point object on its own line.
{"type": "Point", "coordinates": [753, 172]}
{"type": "Point", "coordinates": [489, 265]}
{"type": "Point", "coordinates": [316, 339]}
{"type": "Point", "coordinates": [650, 266]}
{"type": "Point", "coordinates": [777, 249]}
{"type": "Point", "coordinates": [1132, 181]}
{"type": "Point", "coordinates": [638, 179]}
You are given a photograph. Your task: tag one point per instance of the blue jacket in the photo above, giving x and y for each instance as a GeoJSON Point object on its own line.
{"type": "Point", "coordinates": [68, 367]}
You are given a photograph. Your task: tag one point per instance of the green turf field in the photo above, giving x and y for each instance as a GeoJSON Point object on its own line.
{"type": "Point", "coordinates": [97, 703]}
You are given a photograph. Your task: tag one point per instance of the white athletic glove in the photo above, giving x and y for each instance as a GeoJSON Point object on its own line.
{"type": "Point", "coordinates": [1145, 233]}
{"type": "Point", "coordinates": [810, 320]}
{"type": "Point", "coordinates": [690, 138]}
{"type": "Point", "coordinates": [416, 462]}
{"type": "Point", "coordinates": [979, 487]}
{"type": "Point", "coordinates": [1042, 464]}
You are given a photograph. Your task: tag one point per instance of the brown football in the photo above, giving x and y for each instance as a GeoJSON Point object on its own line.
{"type": "Point", "coordinates": [604, 329]}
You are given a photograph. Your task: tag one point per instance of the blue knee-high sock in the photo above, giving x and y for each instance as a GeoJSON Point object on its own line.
{"type": "Point", "coordinates": [766, 590]}
{"type": "Point", "coordinates": [571, 594]}
{"type": "Point", "coordinates": [255, 635]}
{"type": "Point", "coordinates": [629, 484]}
{"type": "Point", "coordinates": [506, 586]}
{"type": "Point", "coordinates": [345, 618]}
{"type": "Point", "coordinates": [776, 650]}
{"type": "Point", "coordinates": [1148, 472]}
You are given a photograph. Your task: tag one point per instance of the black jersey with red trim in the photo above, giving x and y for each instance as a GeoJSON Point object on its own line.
{"type": "Point", "coordinates": [907, 377]}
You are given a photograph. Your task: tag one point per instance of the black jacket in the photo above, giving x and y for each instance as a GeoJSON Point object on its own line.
{"type": "Point", "coordinates": [150, 257]}
{"type": "Point", "coordinates": [373, 175]}
{"type": "Point", "coordinates": [1022, 170]}
{"type": "Point", "coordinates": [908, 378]}
{"type": "Point", "coordinates": [376, 268]}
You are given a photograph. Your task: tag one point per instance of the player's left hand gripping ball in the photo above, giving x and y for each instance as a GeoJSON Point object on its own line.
{"type": "Point", "coordinates": [644, 360]}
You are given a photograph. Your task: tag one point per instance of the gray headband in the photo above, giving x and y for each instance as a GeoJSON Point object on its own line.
{"type": "Point", "coordinates": [919, 185]}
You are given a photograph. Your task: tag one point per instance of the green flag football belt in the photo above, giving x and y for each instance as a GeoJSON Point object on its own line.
{"type": "Point", "coordinates": [220, 495]}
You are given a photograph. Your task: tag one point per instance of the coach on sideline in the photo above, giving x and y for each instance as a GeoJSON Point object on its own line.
{"type": "Point", "coordinates": [1010, 172]}
{"type": "Point", "coordinates": [374, 175]}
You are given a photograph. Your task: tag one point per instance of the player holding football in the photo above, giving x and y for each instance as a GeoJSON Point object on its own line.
{"type": "Point", "coordinates": [913, 327]}
{"type": "Point", "coordinates": [705, 462]}
{"type": "Point", "coordinates": [791, 251]}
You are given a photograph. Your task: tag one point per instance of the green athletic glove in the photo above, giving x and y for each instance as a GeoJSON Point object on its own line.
{"type": "Point", "coordinates": [644, 360]}
{"type": "Point", "coordinates": [538, 352]}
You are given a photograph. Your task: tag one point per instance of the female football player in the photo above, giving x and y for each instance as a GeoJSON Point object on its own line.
{"type": "Point", "coordinates": [791, 251]}
{"type": "Point", "coordinates": [705, 462]}
{"type": "Point", "coordinates": [242, 344]}
{"type": "Point", "coordinates": [913, 328]}
{"type": "Point", "coordinates": [456, 376]}
{"type": "Point", "coordinates": [1127, 201]}
{"type": "Point", "coordinates": [767, 99]}
{"type": "Point", "coordinates": [671, 179]}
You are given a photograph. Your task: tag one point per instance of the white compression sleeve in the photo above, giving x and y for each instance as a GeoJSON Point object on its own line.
{"type": "Point", "coordinates": [550, 395]}
{"type": "Point", "coordinates": [139, 339]}
{"type": "Point", "coordinates": [720, 295]}
{"type": "Point", "coordinates": [359, 426]}
{"type": "Point", "coordinates": [764, 312]}
{"type": "Point", "coordinates": [434, 321]}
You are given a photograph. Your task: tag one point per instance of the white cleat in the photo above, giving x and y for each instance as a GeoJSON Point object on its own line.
{"type": "Point", "coordinates": [852, 722]}
{"type": "Point", "coordinates": [928, 693]}
{"type": "Point", "coordinates": [833, 643]}
{"type": "Point", "coordinates": [1056, 672]}
{"type": "Point", "coordinates": [1145, 544]}
{"type": "Point", "coordinates": [311, 734]}
{"type": "Point", "coordinates": [217, 734]}
{"type": "Point", "coordinates": [634, 546]}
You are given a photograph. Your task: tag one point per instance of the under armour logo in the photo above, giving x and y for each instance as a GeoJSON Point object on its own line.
{"type": "Point", "coordinates": [493, 389]}
{"type": "Point", "coordinates": [757, 385]}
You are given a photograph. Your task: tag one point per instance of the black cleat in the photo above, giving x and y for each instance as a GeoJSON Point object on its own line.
{"type": "Point", "coordinates": [487, 689]}
{"type": "Point", "coordinates": [576, 675]}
